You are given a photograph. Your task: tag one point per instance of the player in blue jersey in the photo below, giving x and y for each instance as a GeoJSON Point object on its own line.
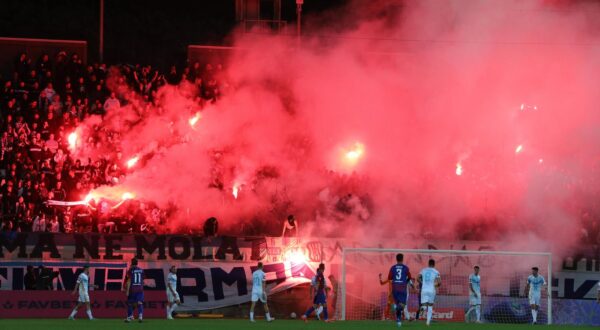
{"type": "Point", "coordinates": [533, 289]}
{"type": "Point", "coordinates": [134, 290]}
{"type": "Point", "coordinates": [399, 277]}
{"type": "Point", "coordinates": [318, 294]}
{"type": "Point", "coordinates": [474, 294]}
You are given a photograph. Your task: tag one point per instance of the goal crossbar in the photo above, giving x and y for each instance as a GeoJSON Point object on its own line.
{"type": "Point", "coordinates": [345, 251]}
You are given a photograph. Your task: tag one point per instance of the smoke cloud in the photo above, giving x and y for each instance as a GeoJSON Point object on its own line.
{"type": "Point", "coordinates": [363, 130]}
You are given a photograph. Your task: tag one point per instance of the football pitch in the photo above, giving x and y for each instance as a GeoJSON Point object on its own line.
{"type": "Point", "coordinates": [183, 324]}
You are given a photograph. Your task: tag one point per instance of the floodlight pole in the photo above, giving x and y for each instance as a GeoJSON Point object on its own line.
{"type": "Point", "coordinates": [101, 45]}
{"type": "Point", "coordinates": [299, 19]}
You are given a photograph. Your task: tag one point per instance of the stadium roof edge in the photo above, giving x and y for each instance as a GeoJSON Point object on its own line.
{"type": "Point", "coordinates": [44, 40]}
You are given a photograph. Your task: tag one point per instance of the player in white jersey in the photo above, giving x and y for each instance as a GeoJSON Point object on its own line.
{"type": "Point", "coordinates": [474, 294]}
{"type": "Point", "coordinates": [533, 289]}
{"type": "Point", "coordinates": [430, 279]}
{"type": "Point", "coordinates": [82, 288]}
{"type": "Point", "coordinates": [172, 295]}
{"type": "Point", "coordinates": [259, 292]}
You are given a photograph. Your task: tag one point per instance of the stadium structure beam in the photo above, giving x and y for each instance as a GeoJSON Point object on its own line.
{"type": "Point", "coordinates": [299, 4]}
{"type": "Point", "coordinates": [101, 38]}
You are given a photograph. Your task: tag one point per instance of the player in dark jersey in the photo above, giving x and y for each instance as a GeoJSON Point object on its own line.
{"type": "Point", "coordinates": [134, 290]}
{"type": "Point", "coordinates": [399, 276]}
{"type": "Point", "coordinates": [318, 290]}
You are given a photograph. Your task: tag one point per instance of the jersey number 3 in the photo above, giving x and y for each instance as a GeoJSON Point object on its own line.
{"type": "Point", "coordinates": [399, 273]}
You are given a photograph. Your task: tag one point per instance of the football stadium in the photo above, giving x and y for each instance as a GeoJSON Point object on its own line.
{"type": "Point", "coordinates": [299, 164]}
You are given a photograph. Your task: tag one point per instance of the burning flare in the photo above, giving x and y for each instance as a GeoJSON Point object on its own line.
{"type": "Point", "coordinates": [235, 190]}
{"type": "Point", "coordinates": [88, 198]}
{"type": "Point", "coordinates": [127, 196]}
{"type": "Point", "coordinates": [131, 162]}
{"type": "Point", "coordinates": [353, 155]}
{"type": "Point", "coordinates": [295, 256]}
{"type": "Point", "coordinates": [72, 139]}
{"type": "Point", "coordinates": [528, 107]}
{"type": "Point", "coordinates": [519, 148]}
{"type": "Point", "coordinates": [459, 169]}
{"type": "Point", "coordinates": [195, 119]}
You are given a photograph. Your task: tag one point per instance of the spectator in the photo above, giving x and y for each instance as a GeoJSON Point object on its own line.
{"type": "Point", "coordinates": [45, 278]}
{"type": "Point", "coordinates": [81, 89]}
{"type": "Point", "coordinates": [54, 225]}
{"type": "Point", "coordinates": [59, 192]}
{"type": "Point", "coordinates": [173, 78]}
{"type": "Point", "coordinates": [51, 143]}
{"type": "Point", "coordinates": [31, 79]}
{"type": "Point", "coordinates": [98, 94]}
{"type": "Point", "coordinates": [49, 92]}
{"type": "Point", "coordinates": [39, 223]}
{"type": "Point", "coordinates": [35, 150]}
{"type": "Point", "coordinates": [57, 105]}
{"type": "Point", "coordinates": [211, 227]}
{"type": "Point", "coordinates": [22, 65]}
{"type": "Point", "coordinates": [59, 158]}
{"type": "Point", "coordinates": [20, 213]}
{"type": "Point", "coordinates": [290, 227]}
{"type": "Point", "coordinates": [67, 224]}
{"type": "Point", "coordinates": [30, 279]}
{"type": "Point", "coordinates": [112, 103]}
{"type": "Point", "coordinates": [52, 121]}
{"type": "Point", "coordinates": [43, 64]}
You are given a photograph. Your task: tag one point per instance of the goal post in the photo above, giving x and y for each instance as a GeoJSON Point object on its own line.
{"type": "Point", "coordinates": [503, 280]}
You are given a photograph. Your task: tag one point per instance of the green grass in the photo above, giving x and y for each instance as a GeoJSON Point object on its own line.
{"type": "Point", "coordinates": [195, 324]}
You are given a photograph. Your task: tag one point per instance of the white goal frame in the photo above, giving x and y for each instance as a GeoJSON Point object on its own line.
{"type": "Point", "coordinates": [345, 251]}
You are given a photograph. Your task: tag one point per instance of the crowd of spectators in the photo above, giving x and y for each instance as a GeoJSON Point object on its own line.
{"type": "Point", "coordinates": [39, 279]}
{"type": "Point", "coordinates": [45, 99]}
{"type": "Point", "coordinates": [41, 103]}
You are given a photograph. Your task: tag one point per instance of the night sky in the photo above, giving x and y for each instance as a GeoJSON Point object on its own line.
{"type": "Point", "coordinates": [136, 31]}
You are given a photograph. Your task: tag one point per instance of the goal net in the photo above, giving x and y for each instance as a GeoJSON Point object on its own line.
{"type": "Point", "coordinates": [503, 282]}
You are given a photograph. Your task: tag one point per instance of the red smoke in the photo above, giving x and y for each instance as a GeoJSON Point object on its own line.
{"type": "Point", "coordinates": [439, 86]}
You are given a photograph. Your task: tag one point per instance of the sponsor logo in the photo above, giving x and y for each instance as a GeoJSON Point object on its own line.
{"type": "Point", "coordinates": [443, 314]}
{"type": "Point", "coordinates": [53, 304]}
{"type": "Point", "coordinates": [446, 316]}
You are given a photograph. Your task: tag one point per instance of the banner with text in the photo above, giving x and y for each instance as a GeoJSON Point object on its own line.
{"type": "Point", "coordinates": [216, 272]}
